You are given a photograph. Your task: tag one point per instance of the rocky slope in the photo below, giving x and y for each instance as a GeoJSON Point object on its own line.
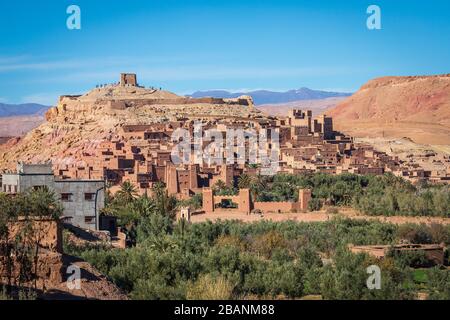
{"type": "Point", "coordinates": [93, 286]}
{"type": "Point", "coordinates": [415, 107]}
{"type": "Point", "coordinates": [78, 124]}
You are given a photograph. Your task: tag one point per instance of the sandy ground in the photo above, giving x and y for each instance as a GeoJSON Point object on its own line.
{"type": "Point", "coordinates": [419, 132]}
{"type": "Point", "coordinates": [405, 148]}
{"type": "Point", "coordinates": [317, 216]}
{"type": "Point", "coordinates": [399, 146]}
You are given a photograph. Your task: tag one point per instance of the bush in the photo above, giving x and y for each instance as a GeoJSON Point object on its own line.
{"type": "Point", "coordinates": [315, 204]}
{"type": "Point", "coordinates": [229, 260]}
{"type": "Point", "coordinates": [415, 234]}
{"type": "Point", "coordinates": [209, 287]}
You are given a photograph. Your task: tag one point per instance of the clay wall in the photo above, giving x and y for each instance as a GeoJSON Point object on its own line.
{"type": "Point", "coordinates": [47, 232]}
{"type": "Point", "coordinates": [271, 207]}
{"type": "Point", "coordinates": [246, 205]}
{"type": "Point", "coordinates": [434, 253]}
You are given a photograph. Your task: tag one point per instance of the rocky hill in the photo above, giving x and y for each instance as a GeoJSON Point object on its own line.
{"type": "Point", "coordinates": [416, 107]}
{"type": "Point", "coordinates": [78, 124]}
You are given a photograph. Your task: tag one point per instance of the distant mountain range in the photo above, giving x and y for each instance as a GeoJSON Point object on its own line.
{"type": "Point", "coordinates": [271, 97]}
{"type": "Point", "coordinates": [317, 106]}
{"type": "Point", "coordinates": [9, 110]}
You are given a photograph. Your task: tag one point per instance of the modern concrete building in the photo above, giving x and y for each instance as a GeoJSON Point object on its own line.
{"type": "Point", "coordinates": [82, 199]}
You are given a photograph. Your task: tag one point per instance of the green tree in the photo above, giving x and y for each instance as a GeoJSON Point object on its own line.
{"type": "Point", "coordinates": [127, 193]}
{"type": "Point", "coordinates": [439, 284]}
{"type": "Point", "coordinates": [244, 181]}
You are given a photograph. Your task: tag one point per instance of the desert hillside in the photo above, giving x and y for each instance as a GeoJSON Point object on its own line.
{"type": "Point", "coordinates": [414, 107]}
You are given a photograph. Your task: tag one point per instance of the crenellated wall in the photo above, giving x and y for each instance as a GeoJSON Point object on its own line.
{"type": "Point", "coordinates": [246, 205]}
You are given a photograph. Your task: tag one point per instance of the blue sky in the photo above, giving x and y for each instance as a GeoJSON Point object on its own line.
{"type": "Point", "coordinates": [190, 45]}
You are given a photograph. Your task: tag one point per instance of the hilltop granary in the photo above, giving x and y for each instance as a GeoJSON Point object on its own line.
{"type": "Point", "coordinates": [82, 200]}
{"type": "Point", "coordinates": [128, 80]}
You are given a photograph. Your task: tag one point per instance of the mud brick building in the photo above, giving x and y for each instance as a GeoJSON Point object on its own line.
{"type": "Point", "coordinates": [141, 152]}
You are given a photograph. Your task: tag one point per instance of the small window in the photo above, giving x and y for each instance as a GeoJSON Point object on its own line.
{"type": "Point", "coordinates": [89, 220]}
{"type": "Point", "coordinates": [89, 196]}
{"type": "Point", "coordinates": [66, 197]}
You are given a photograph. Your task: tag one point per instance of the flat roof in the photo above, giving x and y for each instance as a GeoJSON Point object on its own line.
{"type": "Point", "coordinates": [51, 174]}
{"type": "Point", "coordinates": [27, 174]}
{"type": "Point", "coordinates": [81, 180]}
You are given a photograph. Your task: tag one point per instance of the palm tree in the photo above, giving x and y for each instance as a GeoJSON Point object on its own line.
{"type": "Point", "coordinates": [165, 205]}
{"type": "Point", "coordinates": [244, 181]}
{"type": "Point", "coordinates": [258, 184]}
{"type": "Point", "coordinates": [144, 206]}
{"type": "Point", "coordinates": [40, 202]}
{"type": "Point", "coordinates": [127, 193]}
{"type": "Point", "coordinates": [157, 215]}
{"type": "Point", "coordinates": [218, 186]}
